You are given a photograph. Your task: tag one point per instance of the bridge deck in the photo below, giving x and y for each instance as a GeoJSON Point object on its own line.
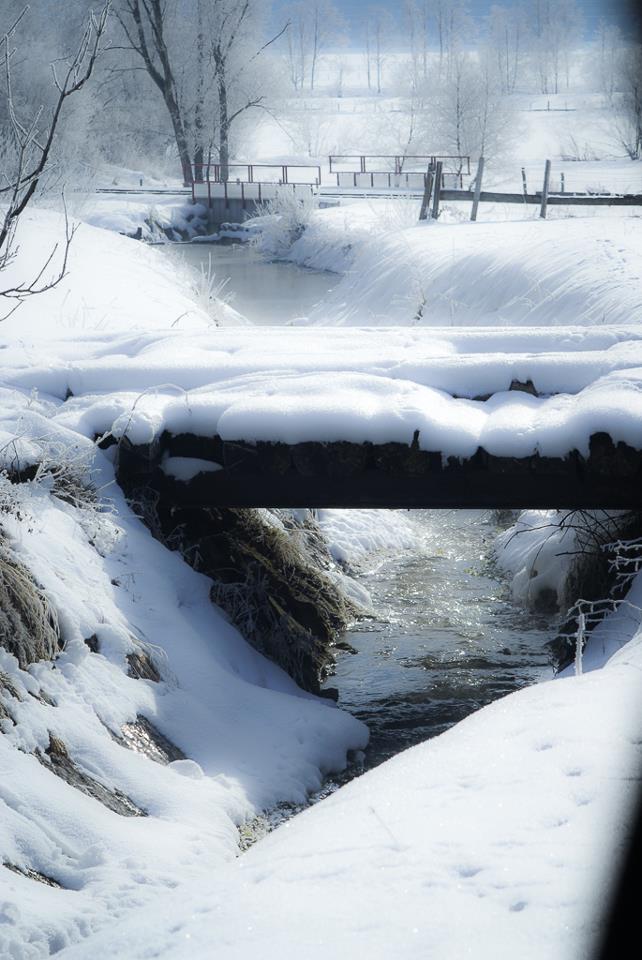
{"type": "Point", "coordinates": [352, 416]}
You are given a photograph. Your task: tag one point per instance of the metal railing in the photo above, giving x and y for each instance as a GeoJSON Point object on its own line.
{"type": "Point", "coordinates": [382, 180]}
{"type": "Point", "coordinates": [386, 168]}
{"type": "Point", "coordinates": [279, 173]}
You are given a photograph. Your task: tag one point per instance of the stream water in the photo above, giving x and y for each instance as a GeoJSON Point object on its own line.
{"type": "Point", "coordinates": [446, 637]}
{"type": "Point", "coordinates": [267, 293]}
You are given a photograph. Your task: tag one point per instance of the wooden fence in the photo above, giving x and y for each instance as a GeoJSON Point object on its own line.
{"type": "Point", "coordinates": [435, 193]}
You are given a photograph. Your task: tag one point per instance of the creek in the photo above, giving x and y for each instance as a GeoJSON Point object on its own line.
{"type": "Point", "coordinates": [445, 638]}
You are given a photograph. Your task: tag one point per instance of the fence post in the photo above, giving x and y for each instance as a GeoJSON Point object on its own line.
{"type": "Point", "coordinates": [547, 177]}
{"type": "Point", "coordinates": [478, 183]}
{"type": "Point", "coordinates": [436, 196]}
{"type": "Point", "coordinates": [562, 182]}
{"type": "Point", "coordinates": [425, 203]}
{"type": "Point", "coordinates": [524, 187]}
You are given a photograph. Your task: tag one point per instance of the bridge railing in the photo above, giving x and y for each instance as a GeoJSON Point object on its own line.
{"type": "Point", "coordinates": [279, 173]}
{"type": "Point", "coordinates": [382, 180]}
{"type": "Point", "coordinates": [372, 171]}
{"type": "Point", "coordinates": [249, 193]}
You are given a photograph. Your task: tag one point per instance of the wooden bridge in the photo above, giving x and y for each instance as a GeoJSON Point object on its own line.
{"type": "Point", "coordinates": [189, 470]}
{"type": "Point", "coordinates": [236, 191]}
{"type": "Point", "coordinates": [392, 417]}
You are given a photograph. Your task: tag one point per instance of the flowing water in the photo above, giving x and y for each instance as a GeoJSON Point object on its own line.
{"type": "Point", "coordinates": [446, 638]}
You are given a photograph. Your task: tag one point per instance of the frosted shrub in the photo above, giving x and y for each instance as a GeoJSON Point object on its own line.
{"type": "Point", "coordinates": [283, 220]}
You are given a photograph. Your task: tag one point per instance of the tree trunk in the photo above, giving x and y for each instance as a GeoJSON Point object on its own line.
{"type": "Point", "coordinates": [224, 124]}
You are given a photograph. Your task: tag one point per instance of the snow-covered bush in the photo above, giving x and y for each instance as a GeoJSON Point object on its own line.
{"type": "Point", "coordinates": [554, 556]}
{"type": "Point", "coordinates": [283, 220]}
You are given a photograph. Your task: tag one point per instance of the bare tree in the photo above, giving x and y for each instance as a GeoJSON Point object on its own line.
{"type": "Point", "coordinates": [609, 43]}
{"type": "Point", "coordinates": [202, 56]}
{"type": "Point", "coordinates": [472, 116]}
{"type": "Point", "coordinates": [418, 23]}
{"type": "Point", "coordinates": [144, 23]}
{"type": "Point", "coordinates": [28, 148]}
{"type": "Point", "coordinates": [555, 27]}
{"type": "Point", "coordinates": [380, 30]}
{"type": "Point", "coordinates": [234, 50]}
{"type": "Point", "coordinates": [628, 114]}
{"type": "Point", "coordinates": [313, 27]}
{"type": "Point", "coordinates": [506, 41]}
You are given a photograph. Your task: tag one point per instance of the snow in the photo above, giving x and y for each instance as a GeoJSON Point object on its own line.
{"type": "Point", "coordinates": [252, 737]}
{"type": "Point", "coordinates": [497, 839]}
{"type": "Point", "coordinates": [583, 269]}
{"type": "Point", "coordinates": [295, 385]}
{"type": "Point", "coordinates": [186, 468]}
{"type": "Point", "coordinates": [493, 840]}
{"type": "Point", "coordinates": [112, 284]}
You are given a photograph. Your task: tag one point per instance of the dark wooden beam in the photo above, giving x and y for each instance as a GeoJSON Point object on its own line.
{"type": "Point", "coordinates": [342, 474]}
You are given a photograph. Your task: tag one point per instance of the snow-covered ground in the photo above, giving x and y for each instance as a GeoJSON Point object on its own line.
{"type": "Point", "coordinates": [583, 270]}
{"type": "Point", "coordinates": [497, 839]}
{"type": "Point", "coordinates": [253, 738]}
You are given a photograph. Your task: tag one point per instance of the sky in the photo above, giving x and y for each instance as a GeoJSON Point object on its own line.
{"type": "Point", "coordinates": [616, 11]}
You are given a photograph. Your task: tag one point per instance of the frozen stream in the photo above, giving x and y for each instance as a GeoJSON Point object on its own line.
{"type": "Point", "coordinates": [265, 292]}
{"type": "Point", "coordinates": [446, 638]}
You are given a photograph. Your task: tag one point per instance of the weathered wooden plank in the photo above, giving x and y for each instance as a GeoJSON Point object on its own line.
{"type": "Point", "coordinates": [345, 474]}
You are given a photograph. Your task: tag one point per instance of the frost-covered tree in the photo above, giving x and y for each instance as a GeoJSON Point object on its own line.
{"type": "Point", "coordinates": [506, 41]}
{"type": "Point", "coordinates": [28, 144]}
{"type": "Point", "coordinates": [628, 113]}
{"type": "Point", "coordinates": [555, 27]}
{"type": "Point", "coordinates": [314, 26]}
{"type": "Point", "coordinates": [205, 59]}
{"type": "Point", "coordinates": [418, 23]}
{"type": "Point", "coordinates": [235, 44]}
{"type": "Point", "coordinates": [609, 45]}
{"type": "Point", "coordinates": [380, 32]}
{"type": "Point", "coordinates": [455, 31]}
{"type": "Point", "coordinates": [470, 116]}
{"type": "Point", "coordinates": [147, 26]}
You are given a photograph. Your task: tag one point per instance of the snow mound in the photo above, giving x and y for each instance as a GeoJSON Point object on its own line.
{"type": "Point", "coordinates": [583, 270]}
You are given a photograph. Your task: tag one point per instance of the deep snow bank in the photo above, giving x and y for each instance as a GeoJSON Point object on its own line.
{"type": "Point", "coordinates": [250, 736]}
{"type": "Point", "coordinates": [583, 270]}
{"type": "Point", "coordinates": [112, 284]}
{"type": "Point", "coordinates": [300, 385]}
{"type": "Point", "coordinates": [497, 839]}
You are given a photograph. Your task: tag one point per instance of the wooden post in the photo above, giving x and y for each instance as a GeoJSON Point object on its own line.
{"type": "Point", "coordinates": [425, 203]}
{"type": "Point", "coordinates": [478, 183]}
{"type": "Point", "coordinates": [524, 187]}
{"type": "Point", "coordinates": [562, 182]}
{"type": "Point", "coordinates": [436, 194]}
{"type": "Point", "coordinates": [547, 178]}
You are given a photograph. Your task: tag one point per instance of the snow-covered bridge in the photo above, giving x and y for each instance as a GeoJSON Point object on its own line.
{"type": "Point", "coordinates": [455, 417]}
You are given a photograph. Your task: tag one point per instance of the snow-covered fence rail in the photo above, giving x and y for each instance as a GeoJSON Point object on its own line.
{"type": "Point", "coordinates": [568, 199]}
